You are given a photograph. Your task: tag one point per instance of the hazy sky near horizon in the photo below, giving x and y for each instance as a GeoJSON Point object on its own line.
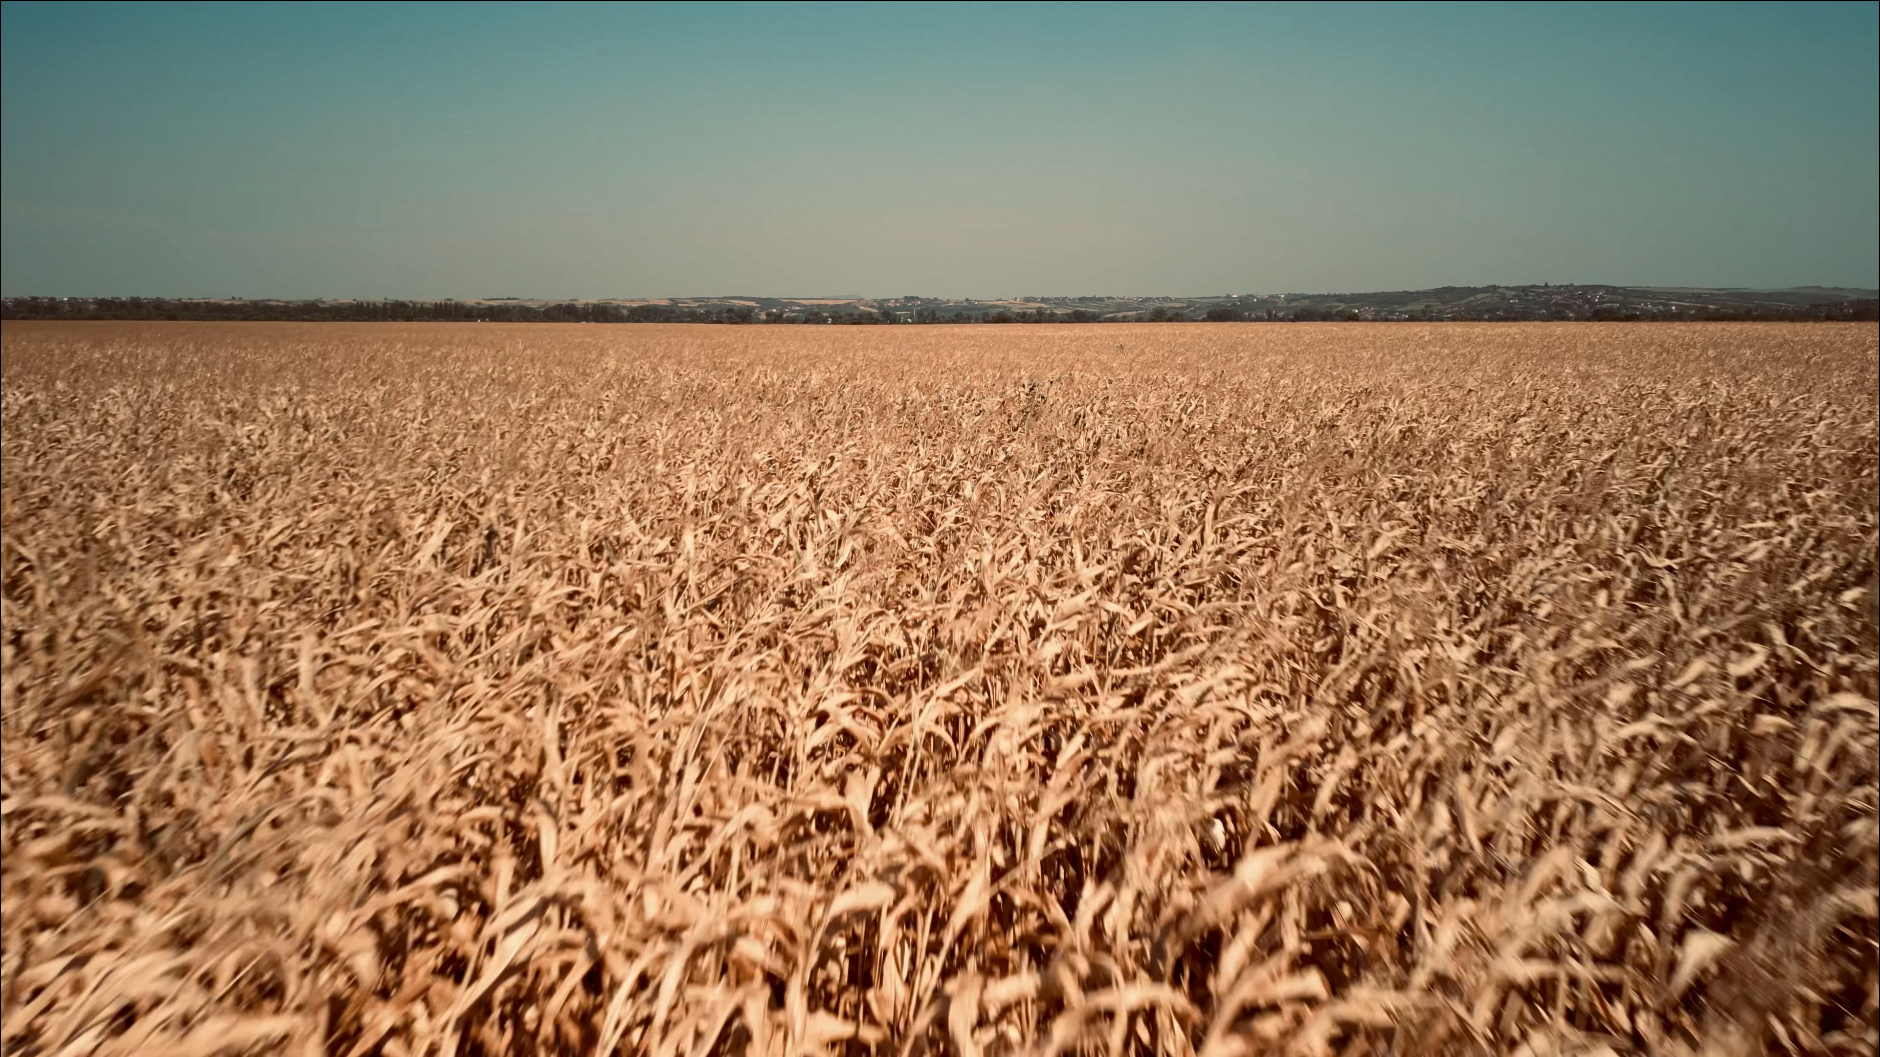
{"type": "Point", "coordinates": [380, 150]}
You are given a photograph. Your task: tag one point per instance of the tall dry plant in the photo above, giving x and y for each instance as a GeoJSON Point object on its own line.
{"type": "Point", "coordinates": [1194, 690]}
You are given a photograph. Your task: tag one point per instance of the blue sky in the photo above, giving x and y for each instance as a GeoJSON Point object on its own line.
{"type": "Point", "coordinates": [968, 151]}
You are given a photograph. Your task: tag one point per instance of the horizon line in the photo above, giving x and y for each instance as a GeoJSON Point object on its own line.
{"type": "Point", "coordinates": [926, 297]}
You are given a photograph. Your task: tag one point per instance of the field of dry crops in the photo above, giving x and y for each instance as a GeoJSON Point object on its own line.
{"type": "Point", "coordinates": [1164, 689]}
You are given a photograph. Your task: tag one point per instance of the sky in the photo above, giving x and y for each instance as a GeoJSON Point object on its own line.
{"type": "Point", "coordinates": [554, 151]}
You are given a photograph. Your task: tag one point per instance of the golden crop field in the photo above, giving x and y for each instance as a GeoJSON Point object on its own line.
{"type": "Point", "coordinates": [1213, 689]}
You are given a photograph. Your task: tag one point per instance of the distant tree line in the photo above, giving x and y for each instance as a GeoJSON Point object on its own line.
{"type": "Point", "coordinates": [152, 308]}
{"type": "Point", "coordinates": [1858, 310]}
{"type": "Point", "coordinates": [366, 311]}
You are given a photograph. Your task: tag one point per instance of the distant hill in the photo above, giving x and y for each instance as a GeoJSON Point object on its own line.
{"type": "Point", "coordinates": [1480, 303]}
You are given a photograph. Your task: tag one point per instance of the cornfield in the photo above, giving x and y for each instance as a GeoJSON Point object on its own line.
{"type": "Point", "coordinates": [1212, 690]}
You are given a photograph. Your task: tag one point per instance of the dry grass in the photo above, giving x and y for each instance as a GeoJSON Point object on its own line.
{"type": "Point", "coordinates": [1222, 690]}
